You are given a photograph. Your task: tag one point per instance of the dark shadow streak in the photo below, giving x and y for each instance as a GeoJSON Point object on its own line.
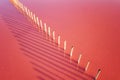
{"type": "Point", "coordinates": [43, 73]}
{"type": "Point", "coordinates": [29, 53]}
{"type": "Point", "coordinates": [50, 62]}
{"type": "Point", "coordinates": [18, 35]}
{"type": "Point", "coordinates": [47, 70]}
{"type": "Point", "coordinates": [52, 55]}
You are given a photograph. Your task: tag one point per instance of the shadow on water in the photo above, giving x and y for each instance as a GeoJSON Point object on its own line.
{"type": "Point", "coordinates": [35, 45]}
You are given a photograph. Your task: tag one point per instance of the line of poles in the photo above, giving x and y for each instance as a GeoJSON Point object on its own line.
{"type": "Point", "coordinates": [43, 27]}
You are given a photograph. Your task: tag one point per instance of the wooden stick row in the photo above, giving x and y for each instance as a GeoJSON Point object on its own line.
{"type": "Point", "coordinates": [47, 30]}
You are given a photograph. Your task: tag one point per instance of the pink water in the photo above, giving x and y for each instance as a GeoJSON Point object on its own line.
{"type": "Point", "coordinates": [91, 26]}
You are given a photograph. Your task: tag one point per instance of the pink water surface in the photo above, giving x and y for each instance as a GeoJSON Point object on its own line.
{"type": "Point", "coordinates": [92, 27]}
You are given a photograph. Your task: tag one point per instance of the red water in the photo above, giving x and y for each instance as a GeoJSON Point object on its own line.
{"type": "Point", "coordinates": [13, 65]}
{"type": "Point", "coordinates": [91, 26]}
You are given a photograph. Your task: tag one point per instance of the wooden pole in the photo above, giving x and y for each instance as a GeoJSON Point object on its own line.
{"type": "Point", "coordinates": [41, 25]}
{"type": "Point", "coordinates": [79, 59]}
{"type": "Point", "coordinates": [88, 63]}
{"type": "Point", "coordinates": [58, 40]}
{"type": "Point", "coordinates": [98, 73]}
{"type": "Point", "coordinates": [65, 45]}
{"type": "Point", "coordinates": [71, 52]}
{"type": "Point", "coordinates": [49, 33]}
{"type": "Point", "coordinates": [53, 36]}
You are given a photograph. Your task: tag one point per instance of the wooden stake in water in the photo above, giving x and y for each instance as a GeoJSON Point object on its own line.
{"type": "Point", "coordinates": [34, 18]}
{"type": "Point", "coordinates": [58, 40]}
{"type": "Point", "coordinates": [31, 15]}
{"type": "Point", "coordinates": [49, 33]}
{"type": "Point", "coordinates": [65, 45]}
{"type": "Point", "coordinates": [45, 28]}
{"type": "Point", "coordinates": [88, 63]}
{"type": "Point", "coordinates": [53, 36]}
{"type": "Point", "coordinates": [41, 25]}
{"type": "Point", "coordinates": [28, 12]}
{"type": "Point", "coordinates": [37, 21]}
{"type": "Point", "coordinates": [98, 73]}
{"type": "Point", "coordinates": [71, 52]}
{"type": "Point", "coordinates": [79, 59]}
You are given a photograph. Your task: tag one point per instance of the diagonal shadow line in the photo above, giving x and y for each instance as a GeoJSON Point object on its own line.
{"type": "Point", "coordinates": [47, 62]}
{"type": "Point", "coordinates": [58, 58]}
{"type": "Point", "coordinates": [45, 49]}
{"type": "Point", "coordinates": [11, 27]}
{"type": "Point", "coordinates": [29, 42]}
{"type": "Point", "coordinates": [22, 21]}
{"type": "Point", "coordinates": [31, 37]}
{"type": "Point", "coordinates": [19, 27]}
{"type": "Point", "coordinates": [27, 19]}
{"type": "Point", "coordinates": [42, 44]}
{"type": "Point", "coordinates": [38, 60]}
{"type": "Point", "coordinates": [36, 35]}
{"type": "Point", "coordinates": [41, 78]}
{"type": "Point", "coordinates": [52, 59]}
{"type": "Point", "coordinates": [39, 66]}
{"type": "Point", "coordinates": [23, 34]}
{"type": "Point", "coordinates": [78, 71]}
{"type": "Point", "coordinates": [49, 72]}
{"type": "Point", "coordinates": [46, 43]}
{"type": "Point", "coordinates": [75, 68]}
{"type": "Point", "coordinates": [35, 41]}
{"type": "Point", "coordinates": [24, 26]}
{"type": "Point", "coordinates": [18, 20]}
{"type": "Point", "coordinates": [36, 31]}
{"type": "Point", "coordinates": [6, 11]}
{"type": "Point", "coordinates": [26, 30]}
{"type": "Point", "coordinates": [43, 73]}
{"type": "Point", "coordinates": [36, 44]}
{"type": "Point", "coordinates": [14, 21]}
{"type": "Point", "coordinates": [15, 17]}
